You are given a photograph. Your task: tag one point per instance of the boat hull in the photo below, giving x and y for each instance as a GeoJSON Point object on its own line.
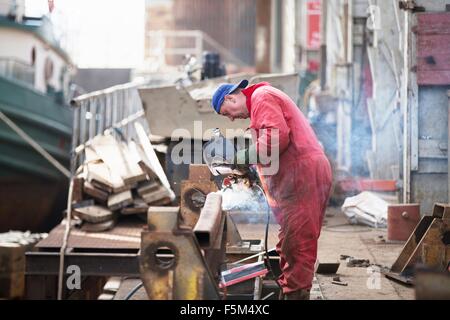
{"type": "Point", "coordinates": [32, 190]}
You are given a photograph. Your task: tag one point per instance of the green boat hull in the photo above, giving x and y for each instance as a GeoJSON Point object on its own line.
{"type": "Point", "coordinates": [31, 189]}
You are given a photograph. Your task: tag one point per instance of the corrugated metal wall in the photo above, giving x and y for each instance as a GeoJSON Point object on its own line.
{"type": "Point", "coordinates": [229, 22]}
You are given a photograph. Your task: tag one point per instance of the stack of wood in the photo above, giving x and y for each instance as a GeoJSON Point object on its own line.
{"type": "Point", "coordinates": [117, 179]}
{"type": "Point", "coordinates": [13, 246]}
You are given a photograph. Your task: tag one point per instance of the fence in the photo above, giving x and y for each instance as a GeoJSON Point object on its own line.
{"type": "Point", "coordinates": [113, 110]}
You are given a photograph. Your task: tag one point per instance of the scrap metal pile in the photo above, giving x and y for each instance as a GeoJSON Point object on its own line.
{"type": "Point", "coordinates": [116, 179]}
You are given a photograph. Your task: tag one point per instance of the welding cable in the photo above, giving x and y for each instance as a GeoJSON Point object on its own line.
{"type": "Point", "coordinates": [132, 292]}
{"type": "Point", "coordinates": [266, 236]}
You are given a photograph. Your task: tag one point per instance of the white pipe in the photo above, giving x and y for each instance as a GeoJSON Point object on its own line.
{"type": "Point", "coordinates": [406, 160]}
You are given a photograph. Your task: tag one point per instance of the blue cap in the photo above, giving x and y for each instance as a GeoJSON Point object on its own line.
{"type": "Point", "coordinates": [224, 90]}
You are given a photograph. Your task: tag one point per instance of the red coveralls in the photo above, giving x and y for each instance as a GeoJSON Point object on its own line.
{"type": "Point", "coordinates": [298, 194]}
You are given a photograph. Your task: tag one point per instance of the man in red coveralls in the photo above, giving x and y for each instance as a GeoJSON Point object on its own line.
{"type": "Point", "coordinates": [298, 192]}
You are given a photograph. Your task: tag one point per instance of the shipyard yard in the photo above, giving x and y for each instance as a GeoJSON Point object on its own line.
{"type": "Point", "coordinates": [247, 151]}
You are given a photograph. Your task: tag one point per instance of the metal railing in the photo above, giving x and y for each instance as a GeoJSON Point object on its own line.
{"type": "Point", "coordinates": [113, 110]}
{"type": "Point", "coordinates": [17, 70]}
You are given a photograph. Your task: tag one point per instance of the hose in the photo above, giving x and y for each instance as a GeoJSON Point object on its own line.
{"type": "Point", "coordinates": [132, 292]}
{"type": "Point", "coordinates": [266, 236]}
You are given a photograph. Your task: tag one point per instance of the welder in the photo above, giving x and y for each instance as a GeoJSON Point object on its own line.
{"type": "Point", "coordinates": [298, 190]}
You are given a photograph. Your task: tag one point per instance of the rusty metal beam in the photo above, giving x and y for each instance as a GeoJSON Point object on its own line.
{"type": "Point", "coordinates": [207, 228]}
{"type": "Point", "coordinates": [172, 264]}
{"type": "Point", "coordinates": [91, 264]}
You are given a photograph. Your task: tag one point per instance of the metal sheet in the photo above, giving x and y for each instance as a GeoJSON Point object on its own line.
{"type": "Point", "coordinates": [126, 235]}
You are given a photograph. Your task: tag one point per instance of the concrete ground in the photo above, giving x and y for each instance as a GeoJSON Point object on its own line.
{"type": "Point", "coordinates": [339, 238]}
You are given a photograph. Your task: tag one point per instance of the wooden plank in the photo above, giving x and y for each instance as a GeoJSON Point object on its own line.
{"type": "Point", "coordinates": [150, 174]}
{"type": "Point", "coordinates": [84, 203]}
{"type": "Point", "coordinates": [94, 214]}
{"type": "Point", "coordinates": [99, 185]}
{"type": "Point", "coordinates": [148, 188]}
{"type": "Point", "coordinates": [98, 227]}
{"type": "Point", "coordinates": [94, 192]}
{"type": "Point", "coordinates": [117, 158]}
{"type": "Point", "coordinates": [120, 200]}
{"type": "Point", "coordinates": [152, 157]}
{"type": "Point", "coordinates": [163, 202]}
{"type": "Point", "coordinates": [139, 206]}
{"type": "Point", "coordinates": [157, 195]}
{"type": "Point", "coordinates": [144, 162]}
{"type": "Point", "coordinates": [134, 157]}
{"type": "Point", "coordinates": [77, 195]}
{"type": "Point", "coordinates": [136, 174]}
{"type": "Point", "coordinates": [100, 175]}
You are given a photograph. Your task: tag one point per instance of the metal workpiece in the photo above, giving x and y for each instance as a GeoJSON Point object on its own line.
{"type": "Point", "coordinates": [172, 264]}
{"type": "Point", "coordinates": [163, 219]}
{"type": "Point", "coordinates": [193, 198]}
{"type": "Point", "coordinates": [194, 192]}
{"type": "Point", "coordinates": [428, 245]}
{"type": "Point", "coordinates": [207, 228]}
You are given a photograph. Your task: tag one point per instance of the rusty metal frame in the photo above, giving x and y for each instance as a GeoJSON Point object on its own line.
{"type": "Point", "coordinates": [91, 264]}
{"type": "Point", "coordinates": [188, 213]}
{"type": "Point", "coordinates": [184, 272]}
{"type": "Point", "coordinates": [426, 246]}
{"type": "Point", "coordinates": [207, 228]}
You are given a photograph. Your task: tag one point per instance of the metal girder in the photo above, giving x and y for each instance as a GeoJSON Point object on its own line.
{"type": "Point", "coordinates": [172, 264]}
{"type": "Point", "coordinates": [429, 244]}
{"type": "Point", "coordinates": [91, 264]}
{"type": "Point", "coordinates": [211, 219]}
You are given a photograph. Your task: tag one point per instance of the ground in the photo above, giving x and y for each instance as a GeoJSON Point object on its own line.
{"type": "Point", "coordinates": [339, 238]}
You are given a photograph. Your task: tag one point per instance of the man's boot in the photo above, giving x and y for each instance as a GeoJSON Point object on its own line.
{"type": "Point", "coordinates": [297, 295]}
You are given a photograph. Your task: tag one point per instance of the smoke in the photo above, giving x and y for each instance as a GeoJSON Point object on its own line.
{"type": "Point", "coordinates": [239, 197]}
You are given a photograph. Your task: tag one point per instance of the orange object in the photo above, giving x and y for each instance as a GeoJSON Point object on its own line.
{"type": "Point", "coordinates": [360, 185]}
{"type": "Point", "coordinates": [402, 220]}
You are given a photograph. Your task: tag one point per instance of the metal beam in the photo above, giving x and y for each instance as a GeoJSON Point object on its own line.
{"type": "Point", "coordinates": [91, 264]}
{"type": "Point", "coordinates": [207, 228]}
